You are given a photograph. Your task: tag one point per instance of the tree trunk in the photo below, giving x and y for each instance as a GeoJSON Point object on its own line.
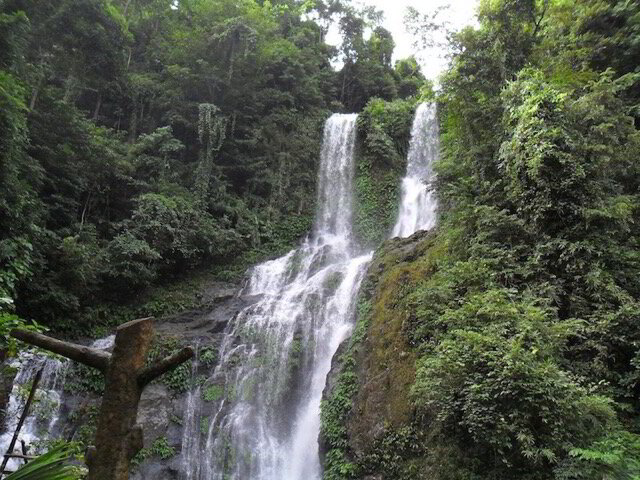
{"type": "Point", "coordinates": [141, 118]}
{"type": "Point", "coordinates": [133, 124]}
{"type": "Point", "coordinates": [118, 438]}
{"type": "Point", "coordinates": [84, 209]}
{"type": "Point", "coordinates": [96, 112]}
{"type": "Point", "coordinates": [69, 84]}
{"type": "Point", "coordinates": [34, 97]}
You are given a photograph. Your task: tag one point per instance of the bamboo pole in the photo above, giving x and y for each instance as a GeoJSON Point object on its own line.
{"type": "Point", "coordinates": [25, 412]}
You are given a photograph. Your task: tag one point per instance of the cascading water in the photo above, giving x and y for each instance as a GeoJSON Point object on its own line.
{"type": "Point", "coordinates": [48, 394]}
{"type": "Point", "coordinates": [274, 360]}
{"type": "Point", "coordinates": [43, 417]}
{"type": "Point", "coordinates": [418, 206]}
{"type": "Point", "coordinates": [256, 417]}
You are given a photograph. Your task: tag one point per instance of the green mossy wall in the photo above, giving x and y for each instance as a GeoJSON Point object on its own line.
{"type": "Point", "coordinates": [367, 417]}
{"type": "Point", "coordinates": [384, 129]}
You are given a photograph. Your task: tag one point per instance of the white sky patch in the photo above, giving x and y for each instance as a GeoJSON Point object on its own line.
{"type": "Point", "coordinates": [459, 14]}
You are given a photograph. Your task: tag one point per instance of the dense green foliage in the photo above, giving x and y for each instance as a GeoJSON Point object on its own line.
{"type": "Point", "coordinates": [381, 151]}
{"type": "Point", "coordinates": [143, 139]}
{"type": "Point", "coordinates": [53, 465]}
{"type": "Point", "coordinates": [160, 449]}
{"type": "Point", "coordinates": [367, 70]}
{"type": "Point", "coordinates": [523, 309]}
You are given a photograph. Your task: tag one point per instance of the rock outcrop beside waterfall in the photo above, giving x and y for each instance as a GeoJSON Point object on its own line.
{"type": "Point", "coordinates": [161, 407]}
{"type": "Point", "coordinates": [366, 403]}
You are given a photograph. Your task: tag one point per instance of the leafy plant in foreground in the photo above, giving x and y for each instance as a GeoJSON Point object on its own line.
{"type": "Point", "coordinates": [53, 465]}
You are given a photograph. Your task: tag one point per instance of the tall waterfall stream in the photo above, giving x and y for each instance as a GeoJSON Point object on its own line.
{"type": "Point", "coordinates": [418, 204]}
{"type": "Point", "coordinates": [276, 353]}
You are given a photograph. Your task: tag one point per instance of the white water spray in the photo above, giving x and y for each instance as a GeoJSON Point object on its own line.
{"type": "Point", "coordinates": [418, 205]}
{"type": "Point", "coordinates": [44, 415]}
{"type": "Point", "coordinates": [277, 353]}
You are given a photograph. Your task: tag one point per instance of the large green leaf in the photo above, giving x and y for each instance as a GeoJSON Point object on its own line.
{"type": "Point", "coordinates": [53, 465]}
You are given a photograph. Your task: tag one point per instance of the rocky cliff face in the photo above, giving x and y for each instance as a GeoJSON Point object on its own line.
{"type": "Point", "coordinates": [367, 413]}
{"type": "Point", "coordinates": [163, 406]}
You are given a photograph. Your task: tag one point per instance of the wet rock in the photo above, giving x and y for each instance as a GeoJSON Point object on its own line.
{"type": "Point", "coordinates": [218, 292]}
{"type": "Point", "coordinates": [161, 409]}
{"type": "Point", "coordinates": [153, 412]}
{"type": "Point", "coordinates": [206, 324]}
{"type": "Point", "coordinates": [152, 470]}
{"type": "Point", "coordinates": [176, 420]}
{"type": "Point", "coordinates": [330, 385]}
{"type": "Point", "coordinates": [383, 361]}
{"type": "Point", "coordinates": [336, 369]}
{"type": "Point", "coordinates": [7, 374]}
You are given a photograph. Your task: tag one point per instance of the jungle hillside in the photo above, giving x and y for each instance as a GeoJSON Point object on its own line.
{"type": "Point", "coordinates": [152, 148]}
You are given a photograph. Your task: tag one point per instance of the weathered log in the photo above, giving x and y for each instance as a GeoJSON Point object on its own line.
{"type": "Point", "coordinates": [25, 452]}
{"type": "Point", "coordinates": [165, 365]}
{"type": "Point", "coordinates": [89, 356]}
{"type": "Point", "coordinates": [116, 424]}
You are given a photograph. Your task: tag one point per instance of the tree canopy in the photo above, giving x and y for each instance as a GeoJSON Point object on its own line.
{"type": "Point", "coordinates": [141, 139]}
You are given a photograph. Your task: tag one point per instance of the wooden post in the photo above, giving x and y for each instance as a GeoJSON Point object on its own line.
{"type": "Point", "coordinates": [118, 438]}
{"type": "Point", "coordinates": [25, 452]}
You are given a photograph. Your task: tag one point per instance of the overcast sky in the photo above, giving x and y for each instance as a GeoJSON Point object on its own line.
{"type": "Point", "coordinates": [459, 14]}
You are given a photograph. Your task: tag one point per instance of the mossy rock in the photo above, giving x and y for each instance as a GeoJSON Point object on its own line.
{"type": "Point", "coordinates": [367, 414]}
{"type": "Point", "coordinates": [384, 130]}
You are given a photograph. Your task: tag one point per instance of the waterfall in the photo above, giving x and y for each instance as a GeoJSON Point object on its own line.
{"type": "Point", "coordinates": [257, 414]}
{"type": "Point", "coordinates": [418, 205]}
{"type": "Point", "coordinates": [48, 394]}
{"type": "Point", "coordinates": [263, 412]}
{"type": "Point", "coordinates": [43, 417]}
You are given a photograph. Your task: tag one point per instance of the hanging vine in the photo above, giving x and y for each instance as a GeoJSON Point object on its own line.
{"type": "Point", "coordinates": [236, 37]}
{"type": "Point", "coordinates": [212, 131]}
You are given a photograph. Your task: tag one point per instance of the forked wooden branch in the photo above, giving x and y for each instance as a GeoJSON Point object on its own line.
{"type": "Point", "coordinates": [118, 438]}
{"type": "Point", "coordinates": [165, 365]}
{"type": "Point", "coordinates": [89, 356]}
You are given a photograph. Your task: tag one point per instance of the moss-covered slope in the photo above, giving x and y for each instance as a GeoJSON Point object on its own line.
{"type": "Point", "coordinates": [367, 415]}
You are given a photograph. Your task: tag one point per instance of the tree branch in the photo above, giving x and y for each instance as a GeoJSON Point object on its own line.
{"type": "Point", "coordinates": [152, 372]}
{"type": "Point", "coordinates": [89, 356]}
{"type": "Point", "coordinates": [539, 22]}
